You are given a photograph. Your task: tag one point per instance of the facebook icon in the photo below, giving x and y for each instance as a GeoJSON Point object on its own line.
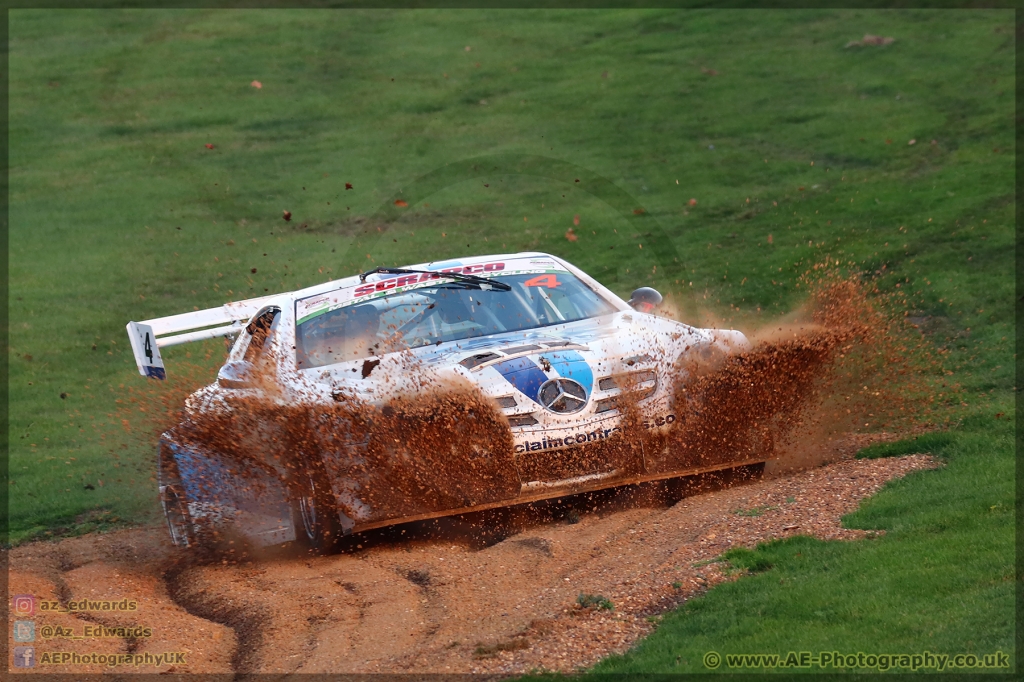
{"type": "Point", "coordinates": [24, 657]}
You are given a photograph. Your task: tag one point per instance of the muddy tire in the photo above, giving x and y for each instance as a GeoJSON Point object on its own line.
{"type": "Point", "coordinates": [315, 512]}
{"type": "Point", "coordinates": [174, 502]}
{"type": "Point", "coordinates": [701, 362]}
{"type": "Point", "coordinates": [175, 508]}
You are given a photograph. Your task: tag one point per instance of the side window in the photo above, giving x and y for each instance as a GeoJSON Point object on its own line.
{"type": "Point", "coordinates": [261, 333]}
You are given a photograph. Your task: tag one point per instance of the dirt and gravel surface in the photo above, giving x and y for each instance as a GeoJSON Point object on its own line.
{"type": "Point", "coordinates": [487, 594]}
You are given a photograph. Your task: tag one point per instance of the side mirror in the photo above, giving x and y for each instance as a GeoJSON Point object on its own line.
{"type": "Point", "coordinates": [236, 375]}
{"type": "Point", "coordinates": [645, 299]}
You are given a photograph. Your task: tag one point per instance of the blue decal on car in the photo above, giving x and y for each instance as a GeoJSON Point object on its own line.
{"type": "Point", "coordinates": [571, 365]}
{"type": "Point", "coordinates": [229, 483]}
{"type": "Point", "coordinates": [524, 374]}
{"type": "Point", "coordinates": [444, 264]}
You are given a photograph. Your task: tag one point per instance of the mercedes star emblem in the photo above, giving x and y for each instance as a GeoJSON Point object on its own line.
{"type": "Point", "coordinates": [562, 396]}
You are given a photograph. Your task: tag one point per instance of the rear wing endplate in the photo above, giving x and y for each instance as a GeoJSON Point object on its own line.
{"type": "Point", "coordinates": [149, 336]}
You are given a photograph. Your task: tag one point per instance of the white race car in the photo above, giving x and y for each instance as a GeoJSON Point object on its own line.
{"type": "Point", "coordinates": [412, 393]}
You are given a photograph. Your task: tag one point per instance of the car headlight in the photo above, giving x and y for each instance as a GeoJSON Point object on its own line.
{"type": "Point", "coordinates": [640, 385]}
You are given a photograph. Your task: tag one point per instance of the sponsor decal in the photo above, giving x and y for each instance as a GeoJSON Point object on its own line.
{"type": "Point", "coordinates": [568, 438]}
{"type": "Point", "coordinates": [313, 306]}
{"type": "Point", "coordinates": [571, 365]}
{"type": "Point", "coordinates": [316, 300]}
{"type": "Point", "coordinates": [319, 304]}
{"type": "Point", "coordinates": [527, 377]}
{"type": "Point", "coordinates": [524, 374]}
{"type": "Point", "coordinates": [399, 281]}
{"type": "Point", "coordinates": [658, 422]}
{"type": "Point", "coordinates": [443, 264]}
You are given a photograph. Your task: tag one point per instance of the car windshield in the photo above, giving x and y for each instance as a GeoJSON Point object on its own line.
{"type": "Point", "coordinates": [447, 311]}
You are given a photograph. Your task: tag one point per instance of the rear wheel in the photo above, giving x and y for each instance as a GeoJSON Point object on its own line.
{"type": "Point", "coordinates": [179, 521]}
{"type": "Point", "coordinates": [173, 500]}
{"type": "Point", "coordinates": [316, 513]}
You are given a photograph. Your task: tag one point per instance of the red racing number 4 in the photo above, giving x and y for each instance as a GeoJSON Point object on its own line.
{"type": "Point", "coordinates": [549, 281]}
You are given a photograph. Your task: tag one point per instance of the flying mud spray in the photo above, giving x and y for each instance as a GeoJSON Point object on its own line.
{"type": "Point", "coordinates": [841, 372]}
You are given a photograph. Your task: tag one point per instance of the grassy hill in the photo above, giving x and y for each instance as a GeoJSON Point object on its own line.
{"type": "Point", "coordinates": [153, 153]}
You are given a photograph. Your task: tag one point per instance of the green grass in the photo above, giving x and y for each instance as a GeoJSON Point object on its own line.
{"type": "Point", "coordinates": [587, 601]}
{"type": "Point", "coordinates": [940, 579]}
{"type": "Point", "coordinates": [118, 211]}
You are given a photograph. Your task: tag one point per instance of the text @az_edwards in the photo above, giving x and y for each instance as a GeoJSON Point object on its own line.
{"type": "Point", "coordinates": [881, 662]}
{"type": "Point", "coordinates": [95, 632]}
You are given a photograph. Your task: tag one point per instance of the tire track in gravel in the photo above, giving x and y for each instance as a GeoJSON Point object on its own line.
{"type": "Point", "coordinates": [113, 567]}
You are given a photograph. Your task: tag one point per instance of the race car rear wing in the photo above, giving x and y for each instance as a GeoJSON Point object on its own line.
{"type": "Point", "coordinates": [149, 336]}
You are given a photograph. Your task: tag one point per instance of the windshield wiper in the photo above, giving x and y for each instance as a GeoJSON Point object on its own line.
{"type": "Point", "coordinates": [477, 282]}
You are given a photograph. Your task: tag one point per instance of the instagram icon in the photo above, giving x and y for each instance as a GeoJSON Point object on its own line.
{"type": "Point", "coordinates": [23, 604]}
